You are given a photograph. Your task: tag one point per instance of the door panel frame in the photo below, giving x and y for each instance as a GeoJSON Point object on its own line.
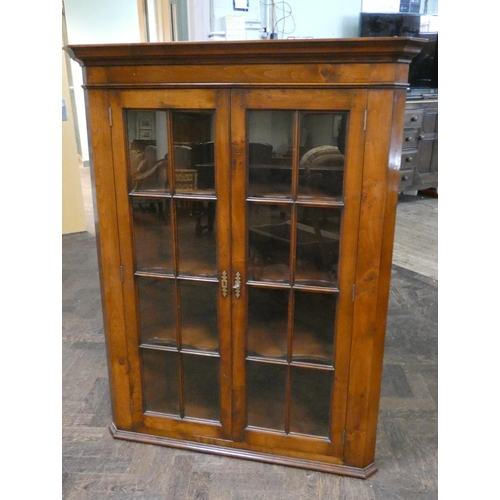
{"type": "Point", "coordinates": [188, 100]}
{"type": "Point", "coordinates": [355, 102]}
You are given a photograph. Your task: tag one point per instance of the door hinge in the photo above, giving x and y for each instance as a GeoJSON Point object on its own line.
{"type": "Point", "coordinates": [364, 119]}
{"type": "Point", "coordinates": [122, 273]}
{"type": "Point", "coordinates": [110, 112]}
{"type": "Point", "coordinates": [353, 293]}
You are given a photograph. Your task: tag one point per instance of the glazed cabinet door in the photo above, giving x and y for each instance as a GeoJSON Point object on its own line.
{"type": "Point", "coordinates": [295, 207]}
{"type": "Point", "coordinates": [171, 161]}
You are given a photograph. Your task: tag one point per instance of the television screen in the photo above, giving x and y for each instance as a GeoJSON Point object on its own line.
{"type": "Point", "coordinates": [424, 68]}
{"type": "Point", "coordinates": [423, 72]}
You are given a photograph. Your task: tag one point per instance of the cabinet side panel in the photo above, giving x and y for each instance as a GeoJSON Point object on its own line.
{"type": "Point", "coordinates": [108, 253]}
{"type": "Point", "coordinates": [388, 228]}
{"type": "Point", "coordinates": [377, 216]}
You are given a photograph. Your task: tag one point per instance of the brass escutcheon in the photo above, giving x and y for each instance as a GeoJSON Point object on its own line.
{"type": "Point", "coordinates": [237, 285]}
{"type": "Point", "coordinates": [224, 283]}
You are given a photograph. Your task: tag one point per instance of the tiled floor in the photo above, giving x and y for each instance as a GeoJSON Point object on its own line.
{"type": "Point", "coordinates": [97, 467]}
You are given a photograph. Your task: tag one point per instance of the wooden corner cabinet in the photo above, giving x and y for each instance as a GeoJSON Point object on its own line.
{"type": "Point", "coordinates": [245, 201]}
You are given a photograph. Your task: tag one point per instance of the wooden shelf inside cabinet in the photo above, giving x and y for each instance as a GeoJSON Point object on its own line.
{"type": "Point", "coordinates": [245, 284]}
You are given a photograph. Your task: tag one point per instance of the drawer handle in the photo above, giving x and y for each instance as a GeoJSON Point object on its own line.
{"type": "Point", "coordinates": [421, 137]}
{"type": "Point", "coordinates": [414, 118]}
{"type": "Point", "coordinates": [409, 158]}
{"type": "Point", "coordinates": [405, 177]}
{"type": "Point", "coordinates": [408, 139]}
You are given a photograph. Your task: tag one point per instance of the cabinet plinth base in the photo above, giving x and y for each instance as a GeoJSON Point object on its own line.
{"type": "Point", "coordinates": [344, 470]}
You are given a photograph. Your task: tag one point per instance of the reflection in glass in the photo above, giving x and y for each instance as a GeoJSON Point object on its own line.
{"type": "Point", "coordinates": [270, 146]}
{"type": "Point", "coordinates": [157, 310]}
{"type": "Point", "coordinates": [269, 242]}
{"type": "Point", "coordinates": [201, 386]}
{"type": "Point", "coordinates": [148, 150]}
{"type": "Point", "coordinates": [196, 237]}
{"type": "Point", "coordinates": [266, 395]}
{"type": "Point", "coordinates": [193, 151]}
{"type": "Point", "coordinates": [160, 374]}
{"type": "Point", "coordinates": [203, 161]}
{"type": "Point", "coordinates": [310, 405]}
{"type": "Point", "coordinates": [318, 233]}
{"type": "Point", "coordinates": [267, 322]}
{"type": "Point", "coordinates": [314, 324]}
{"type": "Point", "coordinates": [152, 235]}
{"type": "Point", "coordinates": [198, 305]}
{"type": "Point", "coordinates": [321, 154]}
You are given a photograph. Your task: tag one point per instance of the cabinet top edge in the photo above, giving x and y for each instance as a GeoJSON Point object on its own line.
{"type": "Point", "coordinates": [352, 50]}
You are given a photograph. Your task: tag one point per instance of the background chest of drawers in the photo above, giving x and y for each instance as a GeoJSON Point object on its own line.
{"type": "Point", "coordinates": [419, 157]}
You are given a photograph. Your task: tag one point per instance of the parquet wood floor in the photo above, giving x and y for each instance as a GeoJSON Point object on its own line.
{"type": "Point", "coordinates": [95, 466]}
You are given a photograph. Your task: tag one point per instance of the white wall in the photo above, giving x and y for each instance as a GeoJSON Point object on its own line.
{"type": "Point", "coordinates": [326, 19]}
{"type": "Point", "coordinates": [73, 214]}
{"type": "Point", "coordinates": [94, 22]}
{"type": "Point", "coordinates": [102, 21]}
{"type": "Point", "coordinates": [316, 18]}
{"type": "Point", "coordinates": [393, 6]}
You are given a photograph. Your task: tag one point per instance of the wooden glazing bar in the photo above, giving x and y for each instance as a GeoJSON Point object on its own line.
{"type": "Point", "coordinates": [268, 200]}
{"type": "Point", "coordinates": [149, 194]}
{"type": "Point", "coordinates": [148, 274]}
{"type": "Point", "coordinates": [286, 286]}
{"type": "Point", "coordinates": [194, 197]}
{"type": "Point", "coordinates": [160, 347]}
{"type": "Point", "coordinates": [293, 253]}
{"type": "Point", "coordinates": [265, 284]}
{"type": "Point", "coordinates": [175, 244]}
{"type": "Point", "coordinates": [317, 289]}
{"type": "Point", "coordinates": [285, 362]}
{"type": "Point", "coordinates": [270, 361]}
{"type": "Point", "coordinates": [309, 202]}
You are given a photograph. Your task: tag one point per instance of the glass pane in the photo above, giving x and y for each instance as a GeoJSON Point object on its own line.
{"type": "Point", "coordinates": [203, 161]}
{"type": "Point", "coordinates": [152, 235]}
{"type": "Point", "coordinates": [198, 305]}
{"type": "Point", "coordinates": [266, 395]}
{"type": "Point", "coordinates": [318, 234]}
{"type": "Point", "coordinates": [321, 168]}
{"type": "Point", "coordinates": [314, 325]}
{"type": "Point", "coordinates": [157, 311]}
{"type": "Point", "coordinates": [148, 150]}
{"type": "Point", "coordinates": [310, 406]}
{"type": "Point", "coordinates": [193, 151]}
{"type": "Point", "coordinates": [201, 387]}
{"type": "Point", "coordinates": [269, 242]}
{"type": "Point", "coordinates": [196, 237]}
{"type": "Point", "coordinates": [267, 322]}
{"type": "Point", "coordinates": [160, 372]}
{"type": "Point", "coordinates": [270, 146]}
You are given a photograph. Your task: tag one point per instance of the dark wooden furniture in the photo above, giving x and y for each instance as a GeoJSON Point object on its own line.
{"type": "Point", "coordinates": [259, 334]}
{"type": "Point", "coordinates": [419, 158]}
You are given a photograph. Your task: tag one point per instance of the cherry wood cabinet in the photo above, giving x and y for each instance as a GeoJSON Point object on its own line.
{"type": "Point", "coordinates": [245, 201]}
